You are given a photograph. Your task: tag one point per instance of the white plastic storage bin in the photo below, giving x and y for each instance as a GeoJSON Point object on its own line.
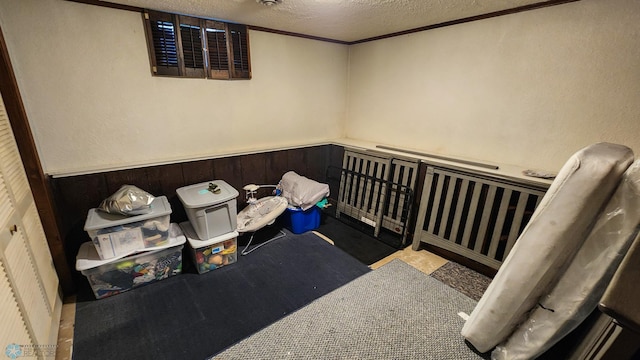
{"type": "Point", "coordinates": [211, 213]}
{"type": "Point", "coordinates": [211, 254]}
{"type": "Point", "coordinates": [115, 235]}
{"type": "Point", "coordinates": [110, 277]}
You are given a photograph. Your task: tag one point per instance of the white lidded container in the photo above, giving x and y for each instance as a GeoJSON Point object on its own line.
{"type": "Point", "coordinates": [125, 272]}
{"type": "Point", "coordinates": [211, 213]}
{"type": "Point", "coordinates": [116, 235]}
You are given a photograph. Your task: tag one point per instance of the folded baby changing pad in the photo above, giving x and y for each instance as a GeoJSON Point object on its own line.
{"type": "Point", "coordinates": [301, 191]}
{"type": "Point", "coordinates": [579, 288]}
{"type": "Point", "coordinates": [550, 240]}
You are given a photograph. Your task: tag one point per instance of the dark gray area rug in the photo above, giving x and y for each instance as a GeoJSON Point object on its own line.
{"type": "Point", "coordinates": [394, 312]}
{"type": "Point", "coordinates": [463, 279]}
{"type": "Point", "coordinates": [192, 316]}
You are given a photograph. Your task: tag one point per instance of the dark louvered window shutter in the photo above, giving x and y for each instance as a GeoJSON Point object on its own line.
{"type": "Point", "coordinates": [218, 52]}
{"type": "Point", "coordinates": [191, 41]}
{"type": "Point", "coordinates": [187, 46]}
{"type": "Point", "coordinates": [164, 57]}
{"type": "Point", "coordinates": [240, 44]}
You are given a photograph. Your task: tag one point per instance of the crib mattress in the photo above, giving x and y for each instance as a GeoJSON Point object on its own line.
{"type": "Point", "coordinates": [580, 287]}
{"type": "Point", "coordinates": [550, 240]}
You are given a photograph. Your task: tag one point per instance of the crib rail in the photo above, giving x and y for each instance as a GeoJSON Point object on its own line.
{"type": "Point", "coordinates": [363, 188]}
{"type": "Point", "coordinates": [473, 215]}
{"type": "Point", "coordinates": [377, 190]}
{"type": "Point", "coordinates": [374, 202]}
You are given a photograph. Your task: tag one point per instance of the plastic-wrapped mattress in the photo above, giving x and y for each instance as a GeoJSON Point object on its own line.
{"type": "Point", "coordinates": [550, 240]}
{"type": "Point", "coordinates": [580, 287]}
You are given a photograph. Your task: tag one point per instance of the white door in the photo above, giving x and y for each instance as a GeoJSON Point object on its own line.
{"type": "Point", "coordinates": [30, 301]}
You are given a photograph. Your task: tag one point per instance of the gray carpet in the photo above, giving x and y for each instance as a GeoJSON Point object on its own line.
{"type": "Point", "coordinates": [394, 312]}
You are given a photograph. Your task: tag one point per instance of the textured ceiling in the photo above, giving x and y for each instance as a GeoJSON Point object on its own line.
{"type": "Point", "coordinates": [344, 20]}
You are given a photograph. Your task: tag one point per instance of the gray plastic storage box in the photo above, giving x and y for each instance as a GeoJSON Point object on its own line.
{"type": "Point", "coordinates": [211, 214]}
{"type": "Point", "coordinates": [114, 235]}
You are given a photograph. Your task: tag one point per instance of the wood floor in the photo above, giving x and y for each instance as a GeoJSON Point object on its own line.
{"type": "Point", "coordinates": [421, 260]}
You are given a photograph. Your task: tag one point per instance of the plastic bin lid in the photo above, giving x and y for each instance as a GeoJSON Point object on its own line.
{"type": "Point", "coordinates": [196, 243]}
{"type": "Point", "coordinates": [199, 196]}
{"type": "Point", "coordinates": [97, 219]}
{"type": "Point", "coordinates": [88, 257]}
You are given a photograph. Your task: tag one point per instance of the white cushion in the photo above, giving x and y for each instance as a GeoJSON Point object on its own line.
{"type": "Point", "coordinates": [580, 287]}
{"type": "Point", "coordinates": [552, 237]}
{"type": "Point", "coordinates": [301, 191]}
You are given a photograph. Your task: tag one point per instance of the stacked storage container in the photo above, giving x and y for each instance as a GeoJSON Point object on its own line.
{"type": "Point", "coordinates": [305, 197]}
{"type": "Point", "coordinates": [299, 221]}
{"type": "Point", "coordinates": [211, 229]}
{"type": "Point", "coordinates": [129, 251]}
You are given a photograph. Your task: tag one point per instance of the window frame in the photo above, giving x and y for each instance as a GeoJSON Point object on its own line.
{"type": "Point", "coordinates": [236, 47]}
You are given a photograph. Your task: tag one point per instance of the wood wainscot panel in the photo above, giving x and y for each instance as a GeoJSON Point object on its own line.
{"type": "Point", "coordinates": [229, 169]}
{"type": "Point", "coordinates": [277, 163]}
{"type": "Point", "coordinates": [254, 170]}
{"type": "Point", "coordinates": [195, 172]}
{"type": "Point", "coordinates": [316, 160]}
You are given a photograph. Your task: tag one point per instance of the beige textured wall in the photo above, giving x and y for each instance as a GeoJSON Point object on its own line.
{"type": "Point", "coordinates": [92, 103]}
{"type": "Point", "coordinates": [527, 89]}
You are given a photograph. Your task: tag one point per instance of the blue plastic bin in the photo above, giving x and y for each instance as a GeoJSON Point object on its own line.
{"type": "Point", "coordinates": [299, 221]}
